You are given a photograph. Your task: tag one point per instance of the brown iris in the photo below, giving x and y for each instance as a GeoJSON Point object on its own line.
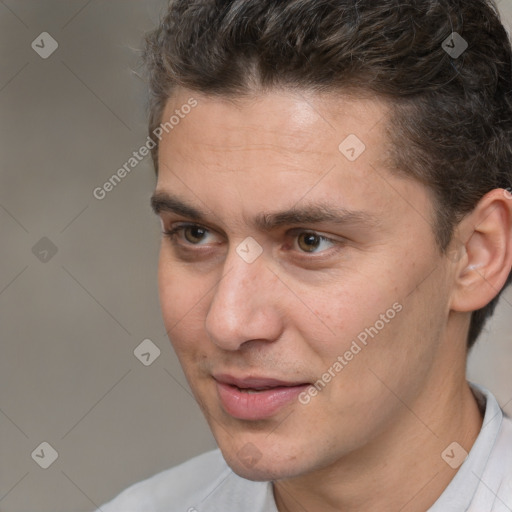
{"type": "Point", "coordinates": [308, 241]}
{"type": "Point", "coordinates": [196, 234]}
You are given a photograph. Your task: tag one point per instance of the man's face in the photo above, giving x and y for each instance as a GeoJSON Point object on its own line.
{"type": "Point", "coordinates": [274, 306]}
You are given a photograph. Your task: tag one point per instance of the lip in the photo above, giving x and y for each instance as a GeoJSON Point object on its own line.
{"type": "Point", "coordinates": [273, 395]}
{"type": "Point", "coordinates": [254, 382]}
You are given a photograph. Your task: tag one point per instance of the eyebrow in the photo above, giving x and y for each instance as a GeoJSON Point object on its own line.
{"type": "Point", "coordinates": [307, 214]}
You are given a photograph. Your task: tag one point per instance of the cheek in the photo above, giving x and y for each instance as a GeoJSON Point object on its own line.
{"type": "Point", "coordinates": [180, 296]}
{"type": "Point", "coordinates": [348, 312]}
{"type": "Point", "coordinates": [169, 287]}
{"type": "Point", "coordinates": [398, 352]}
{"type": "Point", "coordinates": [367, 315]}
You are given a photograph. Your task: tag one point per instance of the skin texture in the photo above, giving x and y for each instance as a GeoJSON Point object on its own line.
{"type": "Point", "coordinates": [388, 415]}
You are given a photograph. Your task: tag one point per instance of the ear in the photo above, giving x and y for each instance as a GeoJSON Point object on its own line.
{"type": "Point", "coordinates": [486, 235]}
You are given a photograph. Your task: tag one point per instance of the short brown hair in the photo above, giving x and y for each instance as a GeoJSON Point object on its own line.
{"type": "Point", "coordinates": [451, 125]}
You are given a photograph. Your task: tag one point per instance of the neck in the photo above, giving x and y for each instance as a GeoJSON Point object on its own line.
{"type": "Point", "coordinates": [402, 469]}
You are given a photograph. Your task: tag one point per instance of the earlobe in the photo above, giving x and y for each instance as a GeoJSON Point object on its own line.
{"type": "Point", "coordinates": [484, 270]}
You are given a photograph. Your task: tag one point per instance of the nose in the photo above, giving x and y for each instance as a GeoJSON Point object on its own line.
{"type": "Point", "coordinates": [245, 305]}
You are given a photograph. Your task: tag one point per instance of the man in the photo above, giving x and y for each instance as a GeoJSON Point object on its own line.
{"type": "Point", "coordinates": [333, 187]}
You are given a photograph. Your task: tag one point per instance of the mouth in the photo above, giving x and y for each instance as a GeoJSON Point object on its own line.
{"type": "Point", "coordinates": [256, 398]}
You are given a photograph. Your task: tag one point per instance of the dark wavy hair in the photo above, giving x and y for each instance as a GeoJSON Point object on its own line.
{"type": "Point", "coordinates": [451, 120]}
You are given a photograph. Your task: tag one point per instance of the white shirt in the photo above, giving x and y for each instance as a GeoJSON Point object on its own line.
{"type": "Point", "coordinates": [483, 483]}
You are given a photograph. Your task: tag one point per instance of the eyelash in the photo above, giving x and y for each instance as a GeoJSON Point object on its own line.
{"type": "Point", "coordinates": [171, 234]}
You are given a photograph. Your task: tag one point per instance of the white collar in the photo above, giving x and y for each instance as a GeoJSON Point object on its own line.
{"type": "Point", "coordinates": [461, 492]}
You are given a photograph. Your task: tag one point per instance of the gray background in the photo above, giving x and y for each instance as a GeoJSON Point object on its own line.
{"type": "Point", "coordinates": [69, 325]}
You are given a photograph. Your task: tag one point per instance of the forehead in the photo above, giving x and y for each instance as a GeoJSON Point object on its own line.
{"type": "Point", "coordinates": [280, 148]}
{"type": "Point", "coordinates": [283, 133]}
{"type": "Point", "coordinates": [293, 121]}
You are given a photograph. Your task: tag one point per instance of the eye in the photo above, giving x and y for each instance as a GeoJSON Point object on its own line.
{"type": "Point", "coordinates": [309, 241]}
{"type": "Point", "coordinates": [192, 233]}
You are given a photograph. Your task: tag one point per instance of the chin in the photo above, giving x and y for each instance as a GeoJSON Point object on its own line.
{"type": "Point", "coordinates": [250, 463]}
{"type": "Point", "coordinates": [255, 474]}
{"type": "Point", "coordinates": [260, 472]}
